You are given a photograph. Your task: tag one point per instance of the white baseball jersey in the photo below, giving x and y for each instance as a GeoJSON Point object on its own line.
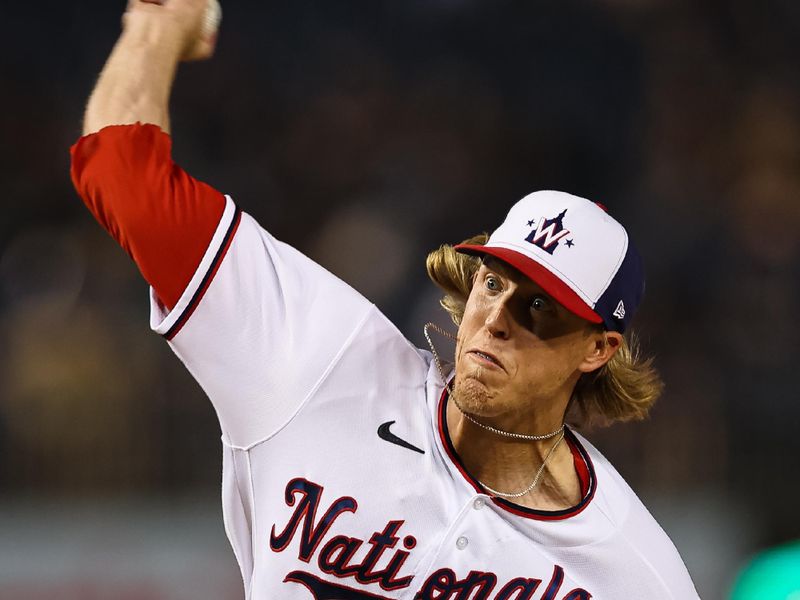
{"type": "Point", "coordinates": [339, 478]}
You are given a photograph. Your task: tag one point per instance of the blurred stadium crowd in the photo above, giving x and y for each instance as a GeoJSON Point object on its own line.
{"type": "Point", "coordinates": [367, 133]}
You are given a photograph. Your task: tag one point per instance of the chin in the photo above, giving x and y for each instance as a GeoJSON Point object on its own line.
{"type": "Point", "coordinates": [473, 396]}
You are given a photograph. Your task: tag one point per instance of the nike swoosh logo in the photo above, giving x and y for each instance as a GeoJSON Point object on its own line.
{"type": "Point", "coordinates": [385, 434]}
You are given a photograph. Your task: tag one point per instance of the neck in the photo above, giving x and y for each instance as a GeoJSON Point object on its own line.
{"type": "Point", "coordinates": [509, 465]}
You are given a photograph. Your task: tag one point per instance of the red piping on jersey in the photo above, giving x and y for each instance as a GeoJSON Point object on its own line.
{"type": "Point", "coordinates": [208, 278]}
{"type": "Point", "coordinates": [583, 467]}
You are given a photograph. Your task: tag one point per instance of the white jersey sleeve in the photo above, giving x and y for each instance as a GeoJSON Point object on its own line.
{"type": "Point", "coordinates": [258, 326]}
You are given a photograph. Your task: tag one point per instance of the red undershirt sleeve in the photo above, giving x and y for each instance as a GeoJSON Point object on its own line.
{"type": "Point", "coordinates": [160, 215]}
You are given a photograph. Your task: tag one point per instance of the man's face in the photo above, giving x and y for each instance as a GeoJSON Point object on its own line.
{"type": "Point", "coordinates": [518, 352]}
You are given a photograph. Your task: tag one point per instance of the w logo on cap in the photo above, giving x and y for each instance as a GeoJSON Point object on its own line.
{"type": "Point", "coordinates": [548, 232]}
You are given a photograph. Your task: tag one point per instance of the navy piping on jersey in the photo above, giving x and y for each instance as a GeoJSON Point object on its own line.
{"type": "Point", "coordinates": [207, 278]}
{"type": "Point", "coordinates": [539, 515]}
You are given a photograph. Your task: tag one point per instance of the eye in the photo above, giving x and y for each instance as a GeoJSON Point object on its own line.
{"type": "Point", "coordinates": [540, 304]}
{"type": "Point", "coordinates": [492, 283]}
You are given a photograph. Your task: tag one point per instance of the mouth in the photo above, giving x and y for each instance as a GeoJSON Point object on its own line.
{"type": "Point", "coordinates": [485, 357]}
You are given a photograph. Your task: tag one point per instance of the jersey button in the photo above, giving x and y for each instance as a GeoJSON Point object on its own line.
{"type": "Point", "coordinates": [462, 542]}
{"type": "Point", "coordinates": [479, 503]}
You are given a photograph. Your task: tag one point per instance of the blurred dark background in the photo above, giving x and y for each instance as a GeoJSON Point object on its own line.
{"type": "Point", "coordinates": [367, 133]}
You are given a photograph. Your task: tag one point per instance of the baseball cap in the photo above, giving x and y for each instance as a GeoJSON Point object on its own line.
{"type": "Point", "coordinates": [575, 251]}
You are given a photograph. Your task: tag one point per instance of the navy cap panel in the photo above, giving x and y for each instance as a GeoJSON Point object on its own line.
{"type": "Point", "coordinates": [619, 301]}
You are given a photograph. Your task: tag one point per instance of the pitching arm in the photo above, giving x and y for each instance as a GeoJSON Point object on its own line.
{"type": "Point", "coordinates": [122, 167]}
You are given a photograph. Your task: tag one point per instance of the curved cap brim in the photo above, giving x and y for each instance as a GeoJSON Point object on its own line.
{"type": "Point", "coordinates": [549, 282]}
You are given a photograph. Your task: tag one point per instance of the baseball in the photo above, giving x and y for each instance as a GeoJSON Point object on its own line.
{"type": "Point", "coordinates": [211, 20]}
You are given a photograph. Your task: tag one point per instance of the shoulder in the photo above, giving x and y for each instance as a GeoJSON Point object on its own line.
{"type": "Point", "coordinates": [637, 532]}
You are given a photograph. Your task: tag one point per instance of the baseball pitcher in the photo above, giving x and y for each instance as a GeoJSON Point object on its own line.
{"type": "Point", "coordinates": [357, 466]}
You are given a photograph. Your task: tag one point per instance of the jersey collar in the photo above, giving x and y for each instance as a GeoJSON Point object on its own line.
{"type": "Point", "coordinates": [583, 467]}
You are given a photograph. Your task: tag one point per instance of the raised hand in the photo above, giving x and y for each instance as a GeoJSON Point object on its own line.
{"type": "Point", "coordinates": [190, 24]}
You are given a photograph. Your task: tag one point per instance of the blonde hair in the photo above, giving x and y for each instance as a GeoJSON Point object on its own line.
{"type": "Point", "coordinates": [624, 389]}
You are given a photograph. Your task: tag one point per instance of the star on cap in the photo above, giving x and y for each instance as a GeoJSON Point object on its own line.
{"type": "Point", "coordinates": [570, 243]}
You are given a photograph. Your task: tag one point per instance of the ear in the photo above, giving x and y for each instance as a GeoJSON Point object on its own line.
{"type": "Point", "coordinates": [602, 345]}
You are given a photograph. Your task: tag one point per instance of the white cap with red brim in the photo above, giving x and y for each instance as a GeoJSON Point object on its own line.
{"type": "Point", "coordinates": [575, 251]}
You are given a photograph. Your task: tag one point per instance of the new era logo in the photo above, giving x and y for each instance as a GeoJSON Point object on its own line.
{"type": "Point", "coordinates": [619, 312]}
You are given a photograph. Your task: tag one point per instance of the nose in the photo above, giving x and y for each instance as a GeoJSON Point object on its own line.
{"type": "Point", "coordinates": [498, 318]}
